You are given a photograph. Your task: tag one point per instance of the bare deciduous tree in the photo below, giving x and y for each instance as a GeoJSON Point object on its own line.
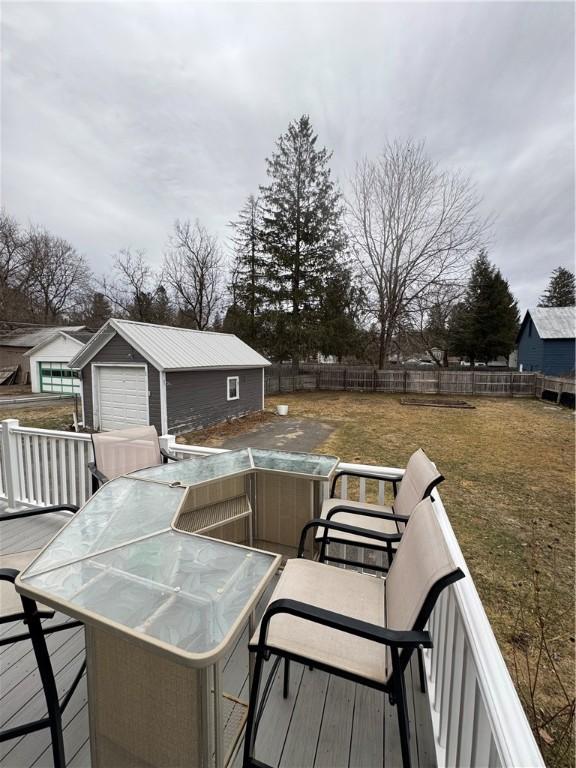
{"type": "Point", "coordinates": [412, 229]}
{"type": "Point", "coordinates": [13, 267]}
{"type": "Point", "coordinates": [57, 277]}
{"type": "Point", "coordinates": [132, 289]}
{"type": "Point", "coordinates": [193, 269]}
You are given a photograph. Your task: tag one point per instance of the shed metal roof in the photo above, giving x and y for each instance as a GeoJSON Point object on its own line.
{"type": "Point", "coordinates": [30, 337]}
{"type": "Point", "coordinates": [174, 349]}
{"type": "Point", "coordinates": [554, 322]}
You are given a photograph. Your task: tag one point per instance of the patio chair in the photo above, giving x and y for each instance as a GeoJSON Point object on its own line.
{"type": "Point", "coordinates": [419, 480]}
{"type": "Point", "coordinates": [122, 451]}
{"type": "Point", "coordinates": [14, 608]}
{"type": "Point", "coordinates": [351, 625]}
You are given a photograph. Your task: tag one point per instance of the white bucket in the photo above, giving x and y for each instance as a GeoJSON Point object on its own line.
{"type": "Point", "coordinates": [282, 410]}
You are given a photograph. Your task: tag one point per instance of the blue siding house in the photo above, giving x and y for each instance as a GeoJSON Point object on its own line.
{"type": "Point", "coordinates": [546, 340]}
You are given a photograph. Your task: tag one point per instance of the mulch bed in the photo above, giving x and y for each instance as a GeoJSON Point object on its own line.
{"type": "Point", "coordinates": [437, 403]}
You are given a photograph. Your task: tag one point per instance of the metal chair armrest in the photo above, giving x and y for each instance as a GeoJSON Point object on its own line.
{"type": "Point", "coordinates": [332, 525]}
{"type": "Point", "coordinates": [367, 513]}
{"type": "Point", "coordinates": [168, 456]}
{"type": "Point", "coordinates": [391, 637]}
{"type": "Point", "coordinates": [40, 511]}
{"type": "Point", "coordinates": [98, 478]}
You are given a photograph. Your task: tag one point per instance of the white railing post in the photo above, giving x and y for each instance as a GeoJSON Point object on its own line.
{"type": "Point", "coordinates": [168, 443]}
{"type": "Point", "coordinates": [10, 463]}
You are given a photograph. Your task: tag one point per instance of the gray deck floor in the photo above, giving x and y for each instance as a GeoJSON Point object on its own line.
{"type": "Point", "coordinates": [326, 721]}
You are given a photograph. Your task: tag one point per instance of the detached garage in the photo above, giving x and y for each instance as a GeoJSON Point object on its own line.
{"type": "Point", "coordinates": [49, 371]}
{"type": "Point", "coordinates": [174, 378]}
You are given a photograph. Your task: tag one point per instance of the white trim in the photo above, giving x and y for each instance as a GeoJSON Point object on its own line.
{"type": "Point", "coordinates": [163, 403]}
{"type": "Point", "coordinates": [50, 339]}
{"type": "Point", "coordinates": [228, 380]}
{"type": "Point", "coordinates": [96, 390]}
{"type": "Point", "coordinates": [81, 379]}
{"type": "Point", "coordinates": [263, 388]}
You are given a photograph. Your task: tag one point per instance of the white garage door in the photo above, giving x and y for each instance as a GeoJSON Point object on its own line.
{"type": "Point", "coordinates": [122, 396]}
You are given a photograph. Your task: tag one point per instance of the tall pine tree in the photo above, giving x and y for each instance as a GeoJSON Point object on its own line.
{"type": "Point", "coordinates": [248, 287]}
{"type": "Point", "coordinates": [485, 324]}
{"type": "Point", "coordinates": [560, 291]}
{"type": "Point", "coordinates": [302, 239]}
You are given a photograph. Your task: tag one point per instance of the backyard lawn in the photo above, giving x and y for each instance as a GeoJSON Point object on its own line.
{"type": "Point", "coordinates": [55, 416]}
{"type": "Point", "coordinates": [509, 493]}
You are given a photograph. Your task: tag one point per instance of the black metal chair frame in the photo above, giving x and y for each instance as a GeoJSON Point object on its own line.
{"type": "Point", "coordinates": [386, 548]}
{"type": "Point", "coordinates": [401, 643]}
{"type": "Point", "coordinates": [99, 478]}
{"type": "Point", "coordinates": [31, 616]}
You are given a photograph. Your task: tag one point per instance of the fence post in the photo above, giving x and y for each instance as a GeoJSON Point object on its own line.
{"type": "Point", "coordinates": [10, 463]}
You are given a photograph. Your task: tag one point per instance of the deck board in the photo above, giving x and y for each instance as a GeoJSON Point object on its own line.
{"type": "Point", "coordinates": [325, 721]}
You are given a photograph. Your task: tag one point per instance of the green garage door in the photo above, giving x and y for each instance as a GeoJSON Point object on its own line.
{"type": "Point", "coordinates": [56, 377]}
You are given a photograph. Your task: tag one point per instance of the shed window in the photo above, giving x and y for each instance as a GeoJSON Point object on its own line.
{"type": "Point", "coordinates": [233, 388]}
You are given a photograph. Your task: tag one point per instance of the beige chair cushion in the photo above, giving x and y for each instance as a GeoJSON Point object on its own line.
{"type": "Point", "coordinates": [345, 592]}
{"type": "Point", "coordinates": [122, 451]}
{"type": "Point", "coordinates": [381, 525]}
{"type": "Point", "coordinates": [10, 601]}
{"type": "Point", "coordinates": [422, 559]}
{"type": "Point", "coordinates": [420, 473]}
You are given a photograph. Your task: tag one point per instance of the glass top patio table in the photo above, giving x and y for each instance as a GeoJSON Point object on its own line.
{"type": "Point", "coordinates": [184, 593]}
{"type": "Point", "coordinates": [119, 563]}
{"type": "Point", "coordinates": [203, 469]}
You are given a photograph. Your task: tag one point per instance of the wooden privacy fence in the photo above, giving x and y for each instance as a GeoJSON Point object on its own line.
{"type": "Point", "coordinates": [428, 381]}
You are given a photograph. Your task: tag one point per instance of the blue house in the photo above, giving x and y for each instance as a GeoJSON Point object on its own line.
{"type": "Point", "coordinates": [546, 340]}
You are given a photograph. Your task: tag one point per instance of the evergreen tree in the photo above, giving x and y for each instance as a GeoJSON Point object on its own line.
{"type": "Point", "coordinates": [340, 306]}
{"type": "Point", "coordinates": [98, 312]}
{"type": "Point", "coordinates": [485, 324]}
{"type": "Point", "coordinates": [560, 291]}
{"type": "Point", "coordinates": [248, 287]}
{"type": "Point", "coordinates": [161, 309]}
{"type": "Point", "coordinates": [302, 238]}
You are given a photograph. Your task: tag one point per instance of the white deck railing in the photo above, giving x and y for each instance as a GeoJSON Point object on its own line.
{"type": "Point", "coordinates": [477, 717]}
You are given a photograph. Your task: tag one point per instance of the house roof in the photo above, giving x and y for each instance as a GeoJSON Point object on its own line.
{"type": "Point", "coordinates": [79, 337]}
{"type": "Point", "coordinates": [553, 322]}
{"type": "Point", "coordinates": [30, 337]}
{"type": "Point", "coordinates": [174, 349]}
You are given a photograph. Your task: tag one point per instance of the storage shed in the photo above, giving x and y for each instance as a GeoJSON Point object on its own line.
{"type": "Point", "coordinates": [546, 340]}
{"type": "Point", "coordinates": [49, 371]}
{"type": "Point", "coordinates": [174, 378]}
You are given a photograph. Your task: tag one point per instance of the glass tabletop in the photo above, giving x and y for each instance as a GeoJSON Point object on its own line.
{"type": "Point", "coordinates": [199, 469]}
{"type": "Point", "coordinates": [291, 462]}
{"type": "Point", "coordinates": [122, 510]}
{"type": "Point", "coordinates": [184, 590]}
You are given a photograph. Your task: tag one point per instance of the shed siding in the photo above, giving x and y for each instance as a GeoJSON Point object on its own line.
{"type": "Point", "coordinates": [118, 351]}
{"type": "Point", "coordinates": [558, 357]}
{"type": "Point", "coordinates": [197, 399]}
{"type": "Point", "coordinates": [530, 348]}
{"type": "Point", "coordinates": [12, 356]}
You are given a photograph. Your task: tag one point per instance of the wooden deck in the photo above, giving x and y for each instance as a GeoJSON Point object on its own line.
{"type": "Point", "coordinates": [326, 721]}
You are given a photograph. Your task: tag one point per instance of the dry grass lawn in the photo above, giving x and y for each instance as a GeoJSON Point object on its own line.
{"type": "Point", "coordinates": [42, 416]}
{"type": "Point", "coordinates": [509, 492]}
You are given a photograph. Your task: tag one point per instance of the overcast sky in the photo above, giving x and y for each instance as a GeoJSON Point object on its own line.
{"type": "Point", "coordinates": [117, 118]}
